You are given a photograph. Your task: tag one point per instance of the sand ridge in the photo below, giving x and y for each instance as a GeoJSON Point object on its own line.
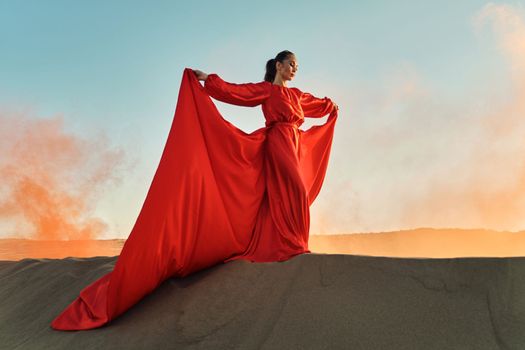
{"type": "Point", "coordinates": [312, 301]}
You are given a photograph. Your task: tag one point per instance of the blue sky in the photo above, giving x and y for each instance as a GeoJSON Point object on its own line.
{"type": "Point", "coordinates": [115, 67]}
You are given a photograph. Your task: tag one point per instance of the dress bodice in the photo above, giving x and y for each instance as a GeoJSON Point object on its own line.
{"type": "Point", "coordinates": [283, 105]}
{"type": "Point", "coordinates": [280, 104]}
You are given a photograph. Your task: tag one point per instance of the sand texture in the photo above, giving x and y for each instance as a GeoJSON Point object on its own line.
{"type": "Point", "coordinates": [312, 301]}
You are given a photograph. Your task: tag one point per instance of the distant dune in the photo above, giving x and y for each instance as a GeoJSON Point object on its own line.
{"type": "Point", "coordinates": [16, 249]}
{"type": "Point", "coordinates": [422, 242]}
{"type": "Point", "coordinates": [312, 301]}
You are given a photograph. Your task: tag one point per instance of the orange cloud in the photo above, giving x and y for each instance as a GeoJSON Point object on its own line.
{"type": "Point", "coordinates": [52, 179]}
{"type": "Point", "coordinates": [417, 156]}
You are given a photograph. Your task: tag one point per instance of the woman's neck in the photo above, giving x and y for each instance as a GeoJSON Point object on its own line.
{"type": "Point", "coordinates": [280, 82]}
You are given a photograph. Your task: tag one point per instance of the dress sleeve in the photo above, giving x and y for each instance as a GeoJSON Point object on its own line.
{"type": "Point", "coordinates": [248, 94]}
{"type": "Point", "coordinates": [314, 107]}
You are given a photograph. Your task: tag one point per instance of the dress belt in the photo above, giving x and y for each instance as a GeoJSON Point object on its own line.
{"type": "Point", "coordinates": [284, 123]}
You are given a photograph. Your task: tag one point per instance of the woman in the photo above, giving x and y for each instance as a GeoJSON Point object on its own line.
{"type": "Point", "coordinates": [283, 223]}
{"type": "Point", "coordinates": [219, 194]}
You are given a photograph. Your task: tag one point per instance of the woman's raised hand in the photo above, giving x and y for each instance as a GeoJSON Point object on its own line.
{"type": "Point", "coordinates": [200, 74]}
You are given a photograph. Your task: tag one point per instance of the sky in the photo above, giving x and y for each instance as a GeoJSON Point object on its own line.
{"type": "Point", "coordinates": [431, 100]}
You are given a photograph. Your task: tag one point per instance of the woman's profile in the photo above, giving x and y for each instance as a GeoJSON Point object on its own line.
{"type": "Point", "coordinates": [219, 194]}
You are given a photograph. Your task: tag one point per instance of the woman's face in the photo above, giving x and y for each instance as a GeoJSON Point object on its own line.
{"type": "Point", "coordinates": [288, 68]}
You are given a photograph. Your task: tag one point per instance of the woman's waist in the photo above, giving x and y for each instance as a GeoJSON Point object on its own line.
{"type": "Point", "coordinates": [272, 123]}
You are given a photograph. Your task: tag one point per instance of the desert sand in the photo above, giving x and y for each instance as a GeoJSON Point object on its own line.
{"type": "Point", "coordinates": [424, 243]}
{"type": "Point", "coordinates": [312, 301]}
{"type": "Point", "coordinates": [414, 243]}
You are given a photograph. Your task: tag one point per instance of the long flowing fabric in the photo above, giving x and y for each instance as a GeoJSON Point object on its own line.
{"type": "Point", "coordinates": [217, 195]}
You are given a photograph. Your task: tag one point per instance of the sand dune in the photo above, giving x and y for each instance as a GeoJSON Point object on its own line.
{"type": "Point", "coordinates": [424, 243]}
{"type": "Point", "coordinates": [421, 242]}
{"type": "Point", "coordinates": [17, 249]}
{"type": "Point", "coordinates": [413, 289]}
{"type": "Point", "coordinates": [312, 301]}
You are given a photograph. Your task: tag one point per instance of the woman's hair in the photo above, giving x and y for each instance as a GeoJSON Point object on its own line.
{"type": "Point", "coordinates": [270, 65]}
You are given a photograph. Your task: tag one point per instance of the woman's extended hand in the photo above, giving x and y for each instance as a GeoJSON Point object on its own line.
{"type": "Point", "coordinates": [200, 74]}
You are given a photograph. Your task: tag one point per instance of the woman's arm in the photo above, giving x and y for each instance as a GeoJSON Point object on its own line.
{"type": "Point", "coordinates": [248, 94]}
{"type": "Point", "coordinates": [314, 107]}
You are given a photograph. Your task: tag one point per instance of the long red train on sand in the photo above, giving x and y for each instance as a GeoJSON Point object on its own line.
{"type": "Point", "coordinates": [218, 194]}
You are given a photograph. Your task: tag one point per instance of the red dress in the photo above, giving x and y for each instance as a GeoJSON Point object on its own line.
{"type": "Point", "coordinates": [219, 194]}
